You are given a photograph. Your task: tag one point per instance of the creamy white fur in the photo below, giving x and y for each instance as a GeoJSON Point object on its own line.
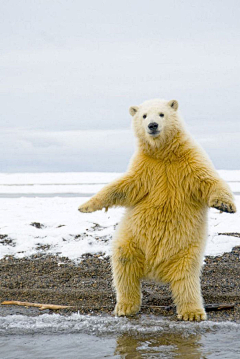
{"type": "Point", "coordinates": [167, 190]}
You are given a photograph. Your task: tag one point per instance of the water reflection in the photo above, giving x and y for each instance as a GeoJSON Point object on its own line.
{"type": "Point", "coordinates": [159, 346]}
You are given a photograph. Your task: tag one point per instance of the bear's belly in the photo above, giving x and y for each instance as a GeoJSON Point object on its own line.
{"type": "Point", "coordinates": [156, 227]}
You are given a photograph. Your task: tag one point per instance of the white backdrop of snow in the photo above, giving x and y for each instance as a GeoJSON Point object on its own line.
{"type": "Point", "coordinates": [71, 234]}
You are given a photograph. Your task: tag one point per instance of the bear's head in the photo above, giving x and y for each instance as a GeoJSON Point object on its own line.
{"type": "Point", "coordinates": [156, 121]}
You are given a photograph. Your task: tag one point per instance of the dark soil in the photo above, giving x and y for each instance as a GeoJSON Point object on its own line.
{"type": "Point", "coordinates": [87, 286]}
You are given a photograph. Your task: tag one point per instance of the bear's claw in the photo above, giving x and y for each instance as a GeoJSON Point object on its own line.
{"type": "Point", "coordinates": [90, 206]}
{"type": "Point", "coordinates": [84, 209]}
{"type": "Point", "coordinates": [224, 207]}
{"type": "Point", "coordinates": [196, 315]}
{"type": "Point", "coordinates": [122, 309]}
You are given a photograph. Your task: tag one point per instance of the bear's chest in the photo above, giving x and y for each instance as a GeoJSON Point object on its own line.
{"type": "Point", "coordinates": [169, 184]}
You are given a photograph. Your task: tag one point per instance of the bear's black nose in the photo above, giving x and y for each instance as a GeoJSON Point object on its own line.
{"type": "Point", "coordinates": [153, 126]}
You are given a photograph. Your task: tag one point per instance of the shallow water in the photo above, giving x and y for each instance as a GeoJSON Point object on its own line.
{"type": "Point", "coordinates": [84, 336]}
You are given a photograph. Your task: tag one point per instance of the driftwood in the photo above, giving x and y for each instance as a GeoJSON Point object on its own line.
{"type": "Point", "coordinates": [38, 305]}
{"type": "Point", "coordinates": [211, 307]}
{"type": "Point", "coordinates": [208, 307]}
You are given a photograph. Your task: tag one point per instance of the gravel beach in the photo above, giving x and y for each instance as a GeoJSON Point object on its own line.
{"type": "Point", "coordinates": [87, 286]}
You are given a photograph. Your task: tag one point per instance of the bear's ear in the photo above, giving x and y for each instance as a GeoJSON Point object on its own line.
{"type": "Point", "coordinates": [173, 104]}
{"type": "Point", "coordinates": [133, 110]}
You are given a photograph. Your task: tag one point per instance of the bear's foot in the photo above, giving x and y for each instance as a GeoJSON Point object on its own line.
{"type": "Point", "coordinates": [192, 315]}
{"type": "Point", "coordinates": [126, 309]}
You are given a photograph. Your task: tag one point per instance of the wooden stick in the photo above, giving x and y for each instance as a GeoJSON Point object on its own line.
{"type": "Point", "coordinates": [211, 307]}
{"type": "Point", "coordinates": [208, 307]}
{"type": "Point", "coordinates": [38, 305]}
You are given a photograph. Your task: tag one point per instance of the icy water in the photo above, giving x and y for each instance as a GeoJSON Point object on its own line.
{"type": "Point", "coordinates": [84, 336]}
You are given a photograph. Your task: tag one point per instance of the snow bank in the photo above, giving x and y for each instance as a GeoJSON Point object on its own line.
{"type": "Point", "coordinates": [53, 225]}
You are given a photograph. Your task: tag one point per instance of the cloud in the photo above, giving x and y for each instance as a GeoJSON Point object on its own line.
{"type": "Point", "coordinates": [70, 70]}
{"type": "Point", "coordinates": [70, 65]}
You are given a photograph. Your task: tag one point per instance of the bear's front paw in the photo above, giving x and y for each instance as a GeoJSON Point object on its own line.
{"type": "Point", "coordinates": [123, 309]}
{"type": "Point", "coordinates": [223, 205]}
{"type": "Point", "coordinates": [192, 315]}
{"type": "Point", "coordinates": [90, 206]}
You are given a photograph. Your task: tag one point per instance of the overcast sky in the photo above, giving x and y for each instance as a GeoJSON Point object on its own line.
{"type": "Point", "coordinates": [70, 70]}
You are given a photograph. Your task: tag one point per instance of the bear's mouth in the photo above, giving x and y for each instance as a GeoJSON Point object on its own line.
{"type": "Point", "coordinates": [154, 133]}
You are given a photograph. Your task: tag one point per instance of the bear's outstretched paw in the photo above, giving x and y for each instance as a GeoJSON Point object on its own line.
{"type": "Point", "coordinates": [224, 206]}
{"type": "Point", "coordinates": [123, 309]}
{"type": "Point", "coordinates": [90, 206]}
{"type": "Point", "coordinates": [193, 315]}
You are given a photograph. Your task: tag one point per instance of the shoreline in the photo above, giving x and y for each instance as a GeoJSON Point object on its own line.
{"type": "Point", "coordinates": [87, 286]}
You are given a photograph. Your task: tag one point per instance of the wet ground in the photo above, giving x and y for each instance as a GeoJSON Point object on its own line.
{"type": "Point", "coordinates": [87, 286]}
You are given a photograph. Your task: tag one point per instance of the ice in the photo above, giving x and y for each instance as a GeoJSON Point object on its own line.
{"type": "Point", "coordinates": [106, 324]}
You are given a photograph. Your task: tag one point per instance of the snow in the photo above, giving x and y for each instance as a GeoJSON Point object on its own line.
{"type": "Point", "coordinates": [65, 230]}
{"type": "Point", "coordinates": [53, 203]}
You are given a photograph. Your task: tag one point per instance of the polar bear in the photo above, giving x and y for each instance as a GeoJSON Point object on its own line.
{"type": "Point", "coordinates": [167, 190]}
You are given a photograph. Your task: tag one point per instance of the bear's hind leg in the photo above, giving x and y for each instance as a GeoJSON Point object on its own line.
{"type": "Point", "coordinates": [127, 267]}
{"type": "Point", "coordinates": [186, 290]}
{"type": "Point", "coordinates": [188, 299]}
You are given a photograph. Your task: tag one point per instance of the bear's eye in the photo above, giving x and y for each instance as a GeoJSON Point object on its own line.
{"type": "Point", "coordinates": [145, 116]}
{"type": "Point", "coordinates": [161, 114]}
